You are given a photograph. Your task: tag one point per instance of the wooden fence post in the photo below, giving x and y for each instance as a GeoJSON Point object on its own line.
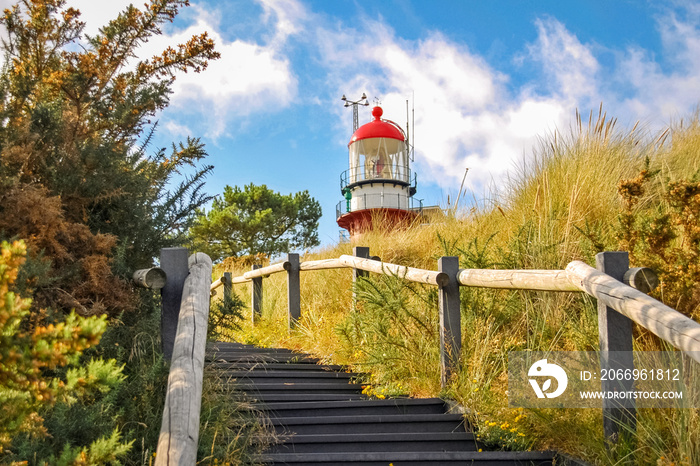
{"type": "Point", "coordinates": [450, 326]}
{"type": "Point", "coordinates": [363, 252]}
{"type": "Point", "coordinates": [228, 286]}
{"type": "Point", "coordinates": [615, 330]}
{"type": "Point", "coordinates": [256, 296]}
{"type": "Point", "coordinates": [293, 291]}
{"type": "Point", "coordinates": [173, 261]}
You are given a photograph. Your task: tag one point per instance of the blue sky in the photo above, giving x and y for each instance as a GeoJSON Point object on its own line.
{"type": "Point", "coordinates": [486, 78]}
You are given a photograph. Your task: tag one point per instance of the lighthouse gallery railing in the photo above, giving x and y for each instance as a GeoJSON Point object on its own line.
{"type": "Point", "coordinates": [378, 201]}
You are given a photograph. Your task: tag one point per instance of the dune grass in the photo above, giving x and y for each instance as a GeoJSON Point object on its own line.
{"type": "Point", "coordinates": [566, 202]}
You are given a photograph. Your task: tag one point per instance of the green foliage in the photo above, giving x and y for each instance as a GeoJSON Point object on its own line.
{"type": "Point", "coordinates": [80, 181]}
{"type": "Point", "coordinates": [256, 220]}
{"type": "Point", "coordinates": [661, 230]}
{"type": "Point", "coordinates": [75, 177]}
{"type": "Point", "coordinates": [393, 328]}
{"type": "Point", "coordinates": [105, 450]}
{"type": "Point", "coordinates": [31, 377]}
{"type": "Point", "coordinates": [85, 429]}
{"type": "Point", "coordinates": [225, 317]}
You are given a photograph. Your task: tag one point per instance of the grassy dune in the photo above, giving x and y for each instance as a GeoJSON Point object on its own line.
{"type": "Point", "coordinates": [566, 203]}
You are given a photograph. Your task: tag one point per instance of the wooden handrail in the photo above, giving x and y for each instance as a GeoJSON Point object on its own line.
{"type": "Point", "coordinates": [269, 270]}
{"type": "Point", "coordinates": [543, 280]}
{"type": "Point", "coordinates": [409, 273]}
{"type": "Point", "coordinates": [323, 264]}
{"type": "Point", "coordinates": [663, 321]}
{"type": "Point", "coordinates": [179, 433]}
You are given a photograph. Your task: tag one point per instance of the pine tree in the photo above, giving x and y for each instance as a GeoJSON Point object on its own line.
{"type": "Point", "coordinates": [256, 220]}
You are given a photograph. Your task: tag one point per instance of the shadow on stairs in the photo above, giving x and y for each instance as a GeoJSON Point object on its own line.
{"type": "Point", "coordinates": [323, 418]}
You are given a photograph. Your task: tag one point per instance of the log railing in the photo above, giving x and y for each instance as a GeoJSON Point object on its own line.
{"type": "Point", "coordinates": [177, 444]}
{"type": "Point", "coordinates": [620, 292]}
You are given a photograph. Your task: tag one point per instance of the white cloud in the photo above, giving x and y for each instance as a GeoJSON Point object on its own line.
{"type": "Point", "coordinates": [178, 129]}
{"type": "Point", "coordinates": [566, 61]}
{"type": "Point", "coordinates": [289, 16]}
{"type": "Point", "coordinates": [249, 77]}
{"type": "Point", "coordinates": [97, 14]}
{"type": "Point", "coordinates": [657, 93]}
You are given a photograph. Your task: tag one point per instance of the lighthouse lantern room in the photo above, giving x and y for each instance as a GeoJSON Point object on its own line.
{"type": "Point", "coordinates": [378, 183]}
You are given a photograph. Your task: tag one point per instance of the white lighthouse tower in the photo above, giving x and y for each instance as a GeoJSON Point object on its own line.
{"type": "Point", "coordinates": [379, 183]}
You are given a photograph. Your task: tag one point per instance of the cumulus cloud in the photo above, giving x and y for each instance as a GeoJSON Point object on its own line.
{"type": "Point", "coordinates": [249, 77]}
{"type": "Point", "coordinates": [658, 92]}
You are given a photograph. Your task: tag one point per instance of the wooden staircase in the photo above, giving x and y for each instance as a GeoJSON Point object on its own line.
{"type": "Point", "coordinates": [324, 419]}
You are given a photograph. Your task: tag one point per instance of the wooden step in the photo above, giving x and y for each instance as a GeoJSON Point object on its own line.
{"type": "Point", "coordinates": [274, 366]}
{"type": "Point", "coordinates": [378, 442]}
{"type": "Point", "coordinates": [354, 407]}
{"type": "Point", "coordinates": [290, 376]}
{"type": "Point", "coordinates": [462, 458]}
{"type": "Point", "coordinates": [400, 423]}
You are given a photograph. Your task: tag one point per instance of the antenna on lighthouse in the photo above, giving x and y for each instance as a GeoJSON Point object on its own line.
{"type": "Point", "coordinates": [355, 103]}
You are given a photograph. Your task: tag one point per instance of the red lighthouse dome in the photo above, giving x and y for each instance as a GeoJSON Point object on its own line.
{"type": "Point", "coordinates": [378, 128]}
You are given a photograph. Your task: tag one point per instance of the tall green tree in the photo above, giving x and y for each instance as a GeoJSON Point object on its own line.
{"type": "Point", "coordinates": [78, 178]}
{"type": "Point", "coordinates": [256, 220]}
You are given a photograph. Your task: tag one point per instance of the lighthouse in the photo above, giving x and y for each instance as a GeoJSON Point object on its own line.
{"type": "Point", "coordinates": [378, 183]}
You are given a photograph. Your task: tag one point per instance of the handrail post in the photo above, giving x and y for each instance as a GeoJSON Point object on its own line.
{"type": "Point", "coordinates": [363, 252]}
{"type": "Point", "coordinates": [293, 290]}
{"type": "Point", "coordinates": [450, 326]}
{"type": "Point", "coordinates": [173, 261]}
{"type": "Point", "coordinates": [228, 287]}
{"type": "Point", "coordinates": [615, 330]}
{"type": "Point", "coordinates": [256, 296]}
